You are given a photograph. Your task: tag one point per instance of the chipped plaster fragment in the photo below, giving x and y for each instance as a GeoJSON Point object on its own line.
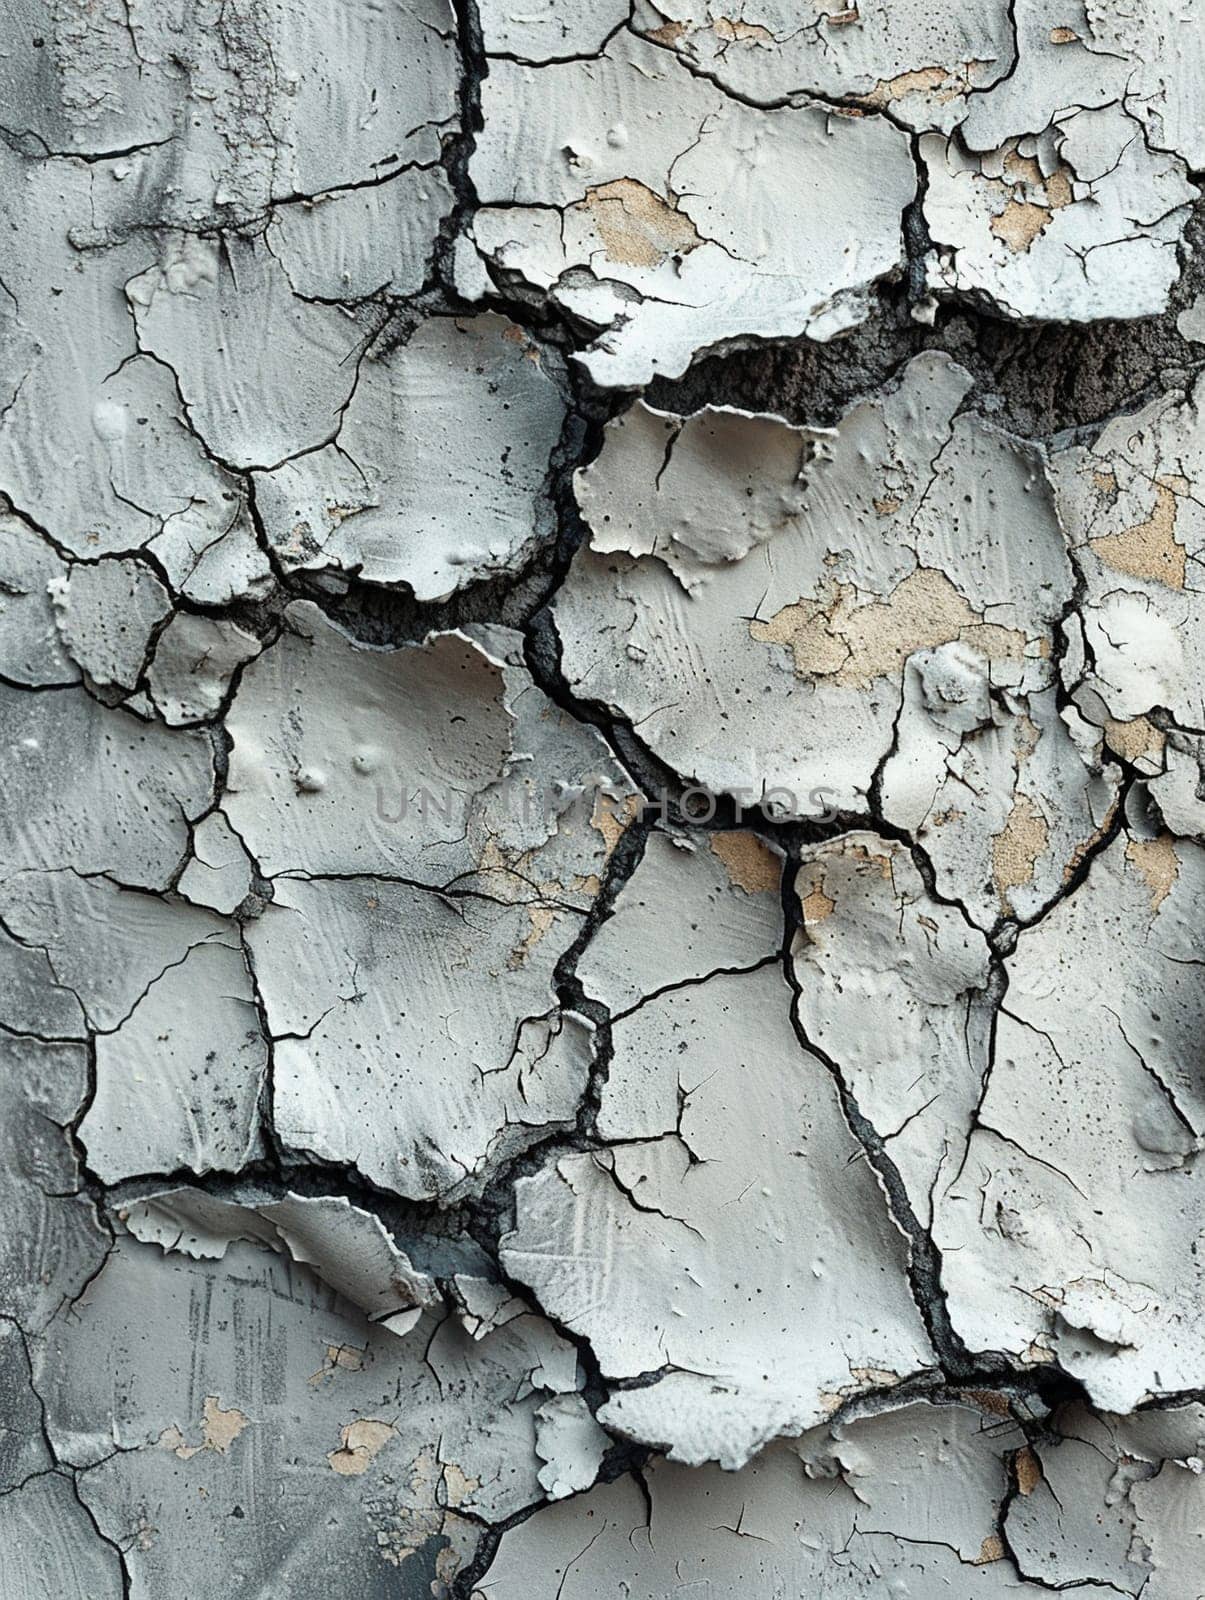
{"type": "Point", "coordinates": [767, 256]}
{"type": "Point", "coordinates": [369, 502]}
{"type": "Point", "coordinates": [1087, 227]}
{"type": "Point", "coordinates": [347, 1247]}
{"type": "Point", "coordinates": [908, 1025]}
{"type": "Point", "coordinates": [1093, 1030]}
{"type": "Point", "coordinates": [173, 1093]}
{"type": "Point", "coordinates": [570, 1443]}
{"type": "Point", "coordinates": [772, 533]}
{"type": "Point", "coordinates": [106, 615]}
{"type": "Point", "coordinates": [1191, 322]}
{"type": "Point", "coordinates": [194, 663]}
{"type": "Point", "coordinates": [924, 65]}
{"type": "Point", "coordinates": [219, 873]}
{"type": "Point", "coordinates": [1136, 528]}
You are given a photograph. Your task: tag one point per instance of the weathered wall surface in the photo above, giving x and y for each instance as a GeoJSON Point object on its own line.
{"type": "Point", "coordinates": [601, 862]}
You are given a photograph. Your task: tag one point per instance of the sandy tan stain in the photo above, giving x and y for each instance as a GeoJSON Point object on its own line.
{"type": "Point", "coordinates": [1081, 850]}
{"type": "Point", "coordinates": [921, 80]}
{"type": "Point", "coordinates": [879, 1377]}
{"type": "Point", "coordinates": [541, 919]}
{"type": "Point", "coordinates": [750, 864]}
{"type": "Point", "coordinates": [1149, 550]}
{"type": "Point", "coordinates": [220, 1427]}
{"type": "Point", "coordinates": [1064, 36]}
{"type": "Point", "coordinates": [1058, 189]}
{"type": "Point", "coordinates": [817, 906]}
{"type": "Point", "coordinates": [1156, 861]}
{"type": "Point", "coordinates": [1028, 1469]}
{"type": "Point", "coordinates": [738, 32]}
{"type": "Point", "coordinates": [458, 1485]}
{"type": "Point", "coordinates": [887, 505]}
{"type": "Point", "coordinates": [1017, 848]}
{"type": "Point", "coordinates": [1020, 223]}
{"type": "Point", "coordinates": [1137, 741]}
{"type": "Point", "coordinates": [852, 644]}
{"type": "Point", "coordinates": [1021, 169]}
{"type": "Point", "coordinates": [992, 1549]}
{"type": "Point", "coordinates": [637, 227]}
{"type": "Point", "coordinates": [611, 818]}
{"type": "Point", "coordinates": [669, 33]}
{"type": "Point", "coordinates": [359, 1443]}
{"type": "Point", "coordinates": [339, 1357]}
{"type": "Point", "coordinates": [1032, 198]}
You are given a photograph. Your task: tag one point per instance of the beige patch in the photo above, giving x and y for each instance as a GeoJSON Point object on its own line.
{"type": "Point", "coordinates": [1157, 862]}
{"type": "Point", "coordinates": [1149, 550]}
{"type": "Point", "coordinates": [1105, 480]}
{"type": "Point", "coordinates": [1021, 169]}
{"type": "Point", "coordinates": [737, 32]}
{"type": "Point", "coordinates": [637, 227]}
{"type": "Point", "coordinates": [852, 645]}
{"type": "Point", "coordinates": [750, 864]}
{"type": "Point", "coordinates": [888, 505]}
{"type": "Point", "coordinates": [541, 919]}
{"type": "Point", "coordinates": [1016, 848]}
{"type": "Point", "coordinates": [1058, 189]}
{"type": "Point", "coordinates": [359, 1442]}
{"type": "Point", "coordinates": [1064, 36]}
{"type": "Point", "coordinates": [1020, 223]}
{"type": "Point", "coordinates": [1028, 1469]}
{"type": "Point", "coordinates": [219, 1429]}
{"type": "Point", "coordinates": [447, 1565]}
{"type": "Point", "coordinates": [669, 33]}
{"type": "Point", "coordinates": [1081, 850]}
{"type": "Point", "coordinates": [1137, 741]}
{"type": "Point", "coordinates": [842, 19]}
{"type": "Point", "coordinates": [611, 818]}
{"type": "Point", "coordinates": [923, 80]}
{"type": "Point", "coordinates": [817, 905]}
{"type": "Point", "coordinates": [880, 1377]}
{"type": "Point", "coordinates": [871, 858]}
{"type": "Point", "coordinates": [458, 1486]}
{"type": "Point", "coordinates": [992, 1549]}
{"type": "Point", "coordinates": [345, 1357]}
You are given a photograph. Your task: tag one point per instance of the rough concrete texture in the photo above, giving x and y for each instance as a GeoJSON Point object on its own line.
{"type": "Point", "coordinates": [604, 825]}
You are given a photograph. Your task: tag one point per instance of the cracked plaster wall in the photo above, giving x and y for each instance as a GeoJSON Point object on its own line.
{"type": "Point", "coordinates": [604, 818]}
